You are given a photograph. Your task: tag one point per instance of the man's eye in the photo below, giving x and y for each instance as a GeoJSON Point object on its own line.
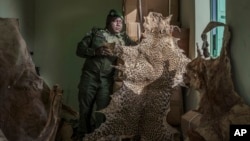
{"type": "Point", "coordinates": [117, 21]}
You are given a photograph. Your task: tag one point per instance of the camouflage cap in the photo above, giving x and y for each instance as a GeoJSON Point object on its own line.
{"type": "Point", "coordinates": [113, 14]}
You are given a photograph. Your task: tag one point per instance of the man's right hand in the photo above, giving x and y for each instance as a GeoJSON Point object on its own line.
{"type": "Point", "coordinates": [103, 51]}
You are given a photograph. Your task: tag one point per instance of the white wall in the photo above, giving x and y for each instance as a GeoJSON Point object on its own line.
{"type": "Point", "coordinates": [195, 15]}
{"type": "Point", "coordinates": [237, 17]}
{"type": "Point", "coordinates": [202, 18]}
{"type": "Point", "coordinates": [60, 25]}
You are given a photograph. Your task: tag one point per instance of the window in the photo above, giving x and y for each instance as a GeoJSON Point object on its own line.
{"type": "Point", "coordinates": [218, 13]}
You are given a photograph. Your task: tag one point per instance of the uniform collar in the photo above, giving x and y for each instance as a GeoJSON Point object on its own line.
{"type": "Point", "coordinates": [116, 34]}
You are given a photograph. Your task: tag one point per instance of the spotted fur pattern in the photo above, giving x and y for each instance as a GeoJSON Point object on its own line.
{"type": "Point", "coordinates": [212, 78]}
{"type": "Point", "coordinates": [151, 70]}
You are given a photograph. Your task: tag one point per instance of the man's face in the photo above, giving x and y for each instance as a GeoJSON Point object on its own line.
{"type": "Point", "coordinates": [116, 25]}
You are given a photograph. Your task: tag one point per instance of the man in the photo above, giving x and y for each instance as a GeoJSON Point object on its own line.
{"type": "Point", "coordinates": [97, 77]}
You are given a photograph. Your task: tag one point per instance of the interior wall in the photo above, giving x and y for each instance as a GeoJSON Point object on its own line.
{"type": "Point", "coordinates": [60, 25]}
{"type": "Point", "coordinates": [23, 10]}
{"type": "Point", "coordinates": [195, 15]}
{"type": "Point", "coordinates": [237, 18]}
{"type": "Point", "coordinates": [187, 18]}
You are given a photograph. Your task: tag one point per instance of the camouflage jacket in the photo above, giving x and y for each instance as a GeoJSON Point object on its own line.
{"type": "Point", "coordinates": [94, 39]}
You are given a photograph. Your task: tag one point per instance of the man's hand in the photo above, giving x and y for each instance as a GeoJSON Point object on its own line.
{"type": "Point", "coordinates": [103, 51]}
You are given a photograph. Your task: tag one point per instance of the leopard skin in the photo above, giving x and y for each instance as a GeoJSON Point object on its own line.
{"type": "Point", "coordinates": [151, 71]}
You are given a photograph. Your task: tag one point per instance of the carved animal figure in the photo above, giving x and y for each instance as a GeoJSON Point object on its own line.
{"type": "Point", "coordinates": [151, 71]}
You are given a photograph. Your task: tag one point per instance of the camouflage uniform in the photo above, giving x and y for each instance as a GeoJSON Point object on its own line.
{"type": "Point", "coordinates": [97, 76]}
